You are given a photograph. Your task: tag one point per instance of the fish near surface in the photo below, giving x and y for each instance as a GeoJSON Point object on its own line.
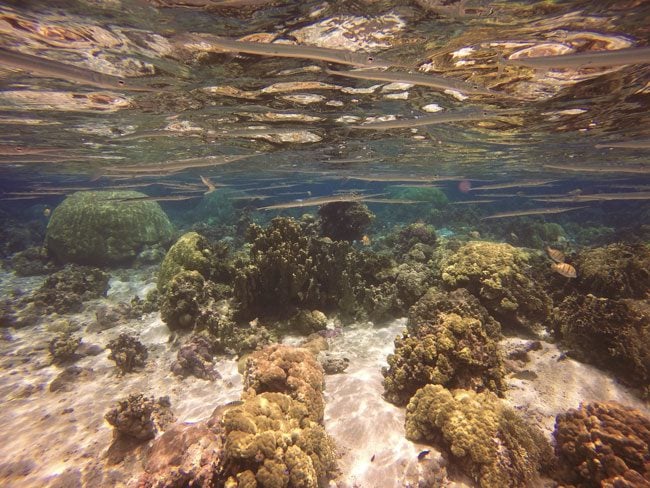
{"type": "Point", "coordinates": [564, 269]}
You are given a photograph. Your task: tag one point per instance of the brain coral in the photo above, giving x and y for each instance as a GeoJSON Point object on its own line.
{"type": "Point", "coordinates": [95, 227]}
{"type": "Point", "coordinates": [191, 252]}
{"type": "Point", "coordinates": [603, 444]}
{"type": "Point", "coordinates": [502, 278]}
{"type": "Point", "coordinates": [489, 441]}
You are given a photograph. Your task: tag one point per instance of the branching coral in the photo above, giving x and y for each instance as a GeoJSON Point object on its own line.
{"type": "Point", "coordinates": [127, 352]}
{"type": "Point", "coordinates": [140, 417]}
{"type": "Point", "coordinates": [502, 277]}
{"type": "Point", "coordinates": [603, 444]}
{"type": "Point", "coordinates": [489, 441]}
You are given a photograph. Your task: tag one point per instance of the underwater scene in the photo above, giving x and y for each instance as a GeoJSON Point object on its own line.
{"type": "Point", "coordinates": [324, 243]}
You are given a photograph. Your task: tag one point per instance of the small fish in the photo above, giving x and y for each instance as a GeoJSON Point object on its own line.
{"type": "Point", "coordinates": [365, 240]}
{"type": "Point", "coordinates": [372, 459]}
{"type": "Point", "coordinates": [47, 211]}
{"type": "Point", "coordinates": [564, 269]}
{"type": "Point", "coordinates": [555, 254]}
{"type": "Point", "coordinates": [423, 454]}
{"type": "Point", "coordinates": [209, 184]}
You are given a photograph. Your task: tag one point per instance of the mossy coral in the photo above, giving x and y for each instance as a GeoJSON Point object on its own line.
{"type": "Point", "coordinates": [614, 334]}
{"type": "Point", "coordinates": [488, 440]}
{"type": "Point", "coordinates": [615, 271]}
{"type": "Point", "coordinates": [603, 444]}
{"type": "Point", "coordinates": [503, 279]}
{"type": "Point", "coordinates": [99, 228]}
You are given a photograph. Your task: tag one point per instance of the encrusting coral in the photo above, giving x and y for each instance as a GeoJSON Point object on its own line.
{"type": "Point", "coordinates": [450, 340]}
{"type": "Point", "coordinates": [127, 352]}
{"type": "Point", "coordinates": [486, 439]}
{"type": "Point", "coordinates": [603, 444]}
{"type": "Point", "coordinates": [503, 279]}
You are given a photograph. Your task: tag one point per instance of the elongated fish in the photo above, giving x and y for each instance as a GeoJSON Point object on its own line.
{"type": "Point", "coordinates": [439, 118]}
{"type": "Point", "coordinates": [599, 197]}
{"type": "Point", "coordinates": [618, 57]}
{"type": "Point", "coordinates": [175, 166]}
{"type": "Point", "coordinates": [421, 79]}
{"type": "Point", "coordinates": [532, 211]}
{"type": "Point", "coordinates": [158, 198]}
{"type": "Point", "coordinates": [316, 201]}
{"type": "Point", "coordinates": [20, 150]}
{"type": "Point", "coordinates": [638, 144]}
{"type": "Point", "coordinates": [513, 184]}
{"type": "Point", "coordinates": [206, 181]}
{"type": "Point", "coordinates": [37, 65]}
{"type": "Point", "coordinates": [339, 56]}
{"type": "Point", "coordinates": [602, 169]}
{"type": "Point", "coordinates": [399, 178]}
{"type": "Point", "coordinates": [394, 201]}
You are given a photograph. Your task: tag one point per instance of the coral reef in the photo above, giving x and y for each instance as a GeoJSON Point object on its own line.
{"type": "Point", "coordinates": [65, 290]}
{"type": "Point", "coordinates": [290, 267]}
{"type": "Point", "coordinates": [453, 351]}
{"type": "Point", "coordinates": [503, 279]}
{"type": "Point", "coordinates": [603, 444]}
{"type": "Point", "coordinates": [412, 234]}
{"type": "Point", "coordinates": [127, 352]}
{"type": "Point", "coordinates": [615, 271]}
{"type": "Point", "coordinates": [290, 370]}
{"type": "Point", "coordinates": [98, 228]}
{"type": "Point", "coordinates": [140, 417]}
{"type": "Point", "coordinates": [613, 334]}
{"type": "Point", "coordinates": [32, 261]}
{"type": "Point", "coordinates": [488, 440]}
{"type": "Point", "coordinates": [412, 280]}
{"type": "Point", "coordinates": [191, 252]}
{"type": "Point", "coordinates": [195, 358]}
{"type": "Point", "coordinates": [345, 221]}
{"type": "Point", "coordinates": [62, 348]}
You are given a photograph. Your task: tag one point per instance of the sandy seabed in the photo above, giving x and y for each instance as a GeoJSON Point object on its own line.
{"type": "Point", "coordinates": [60, 439]}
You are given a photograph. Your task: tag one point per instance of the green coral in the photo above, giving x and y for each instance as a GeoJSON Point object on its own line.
{"type": "Point", "coordinates": [98, 227]}
{"type": "Point", "coordinates": [191, 252]}
{"type": "Point", "coordinates": [504, 280]}
{"type": "Point", "coordinates": [615, 271]}
{"type": "Point", "coordinates": [488, 440]}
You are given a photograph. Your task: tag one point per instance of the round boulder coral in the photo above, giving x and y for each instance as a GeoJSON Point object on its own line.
{"type": "Point", "coordinates": [101, 228]}
{"type": "Point", "coordinates": [191, 252]}
{"type": "Point", "coordinates": [488, 440]}
{"type": "Point", "coordinates": [603, 444]}
{"type": "Point", "coordinates": [502, 278]}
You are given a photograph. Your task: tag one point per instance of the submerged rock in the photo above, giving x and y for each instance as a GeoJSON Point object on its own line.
{"type": "Point", "coordinates": [95, 227]}
{"type": "Point", "coordinates": [140, 417]}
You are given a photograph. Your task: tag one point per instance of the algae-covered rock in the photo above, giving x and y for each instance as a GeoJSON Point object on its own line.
{"type": "Point", "coordinates": [603, 444]}
{"type": "Point", "coordinates": [191, 252]}
{"type": "Point", "coordinates": [503, 279]}
{"type": "Point", "coordinates": [98, 227]}
{"type": "Point", "coordinates": [486, 439]}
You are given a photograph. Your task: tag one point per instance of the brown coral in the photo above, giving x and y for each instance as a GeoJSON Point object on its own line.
{"type": "Point", "coordinates": [603, 444]}
{"type": "Point", "coordinates": [290, 370]}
